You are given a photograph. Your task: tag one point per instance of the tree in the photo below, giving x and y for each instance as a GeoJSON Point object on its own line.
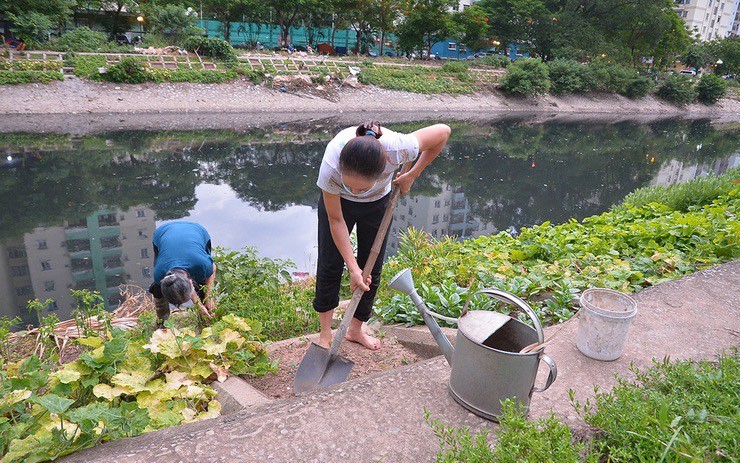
{"type": "Point", "coordinates": [728, 52]}
{"type": "Point", "coordinates": [697, 56]}
{"type": "Point", "coordinates": [674, 41]}
{"type": "Point", "coordinates": [170, 20]}
{"type": "Point", "coordinates": [34, 20]}
{"type": "Point", "coordinates": [470, 27]}
{"type": "Point", "coordinates": [286, 14]}
{"type": "Point", "coordinates": [425, 23]}
{"type": "Point", "coordinates": [518, 21]}
{"type": "Point", "coordinates": [386, 12]}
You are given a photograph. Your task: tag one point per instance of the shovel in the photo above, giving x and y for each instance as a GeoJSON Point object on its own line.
{"type": "Point", "coordinates": [323, 367]}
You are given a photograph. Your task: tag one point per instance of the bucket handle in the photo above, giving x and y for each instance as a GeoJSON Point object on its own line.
{"type": "Point", "coordinates": [553, 373]}
{"type": "Point", "coordinates": [511, 299]}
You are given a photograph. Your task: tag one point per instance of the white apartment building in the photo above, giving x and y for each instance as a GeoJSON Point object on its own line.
{"type": "Point", "coordinates": [100, 253]}
{"type": "Point", "coordinates": [736, 20]}
{"type": "Point", "coordinates": [709, 19]}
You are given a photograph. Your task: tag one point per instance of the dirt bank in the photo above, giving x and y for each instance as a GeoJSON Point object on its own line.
{"type": "Point", "coordinates": [68, 105]}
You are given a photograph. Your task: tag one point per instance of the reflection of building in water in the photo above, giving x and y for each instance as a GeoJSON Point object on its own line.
{"type": "Point", "coordinates": [446, 214]}
{"type": "Point", "coordinates": [675, 171]}
{"type": "Point", "coordinates": [98, 253]}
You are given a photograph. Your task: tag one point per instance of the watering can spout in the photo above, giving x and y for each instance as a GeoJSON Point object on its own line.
{"type": "Point", "coordinates": [404, 283]}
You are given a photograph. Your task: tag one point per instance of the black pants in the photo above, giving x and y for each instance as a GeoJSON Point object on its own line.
{"type": "Point", "coordinates": [330, 264]}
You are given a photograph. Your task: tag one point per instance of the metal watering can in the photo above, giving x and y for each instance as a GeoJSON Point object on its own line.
{"type": "Point", "coordinates": [487, 366]}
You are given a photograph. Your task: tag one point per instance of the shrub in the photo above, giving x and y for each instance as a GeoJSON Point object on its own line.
{"type": "Point", "coordinates": [677, 89]}
{"type": "Point", "coordinates": [79, 39]}
{"type": "Point", "coordinates": [606, 77]}
{"type": "Point", "coordinates": [638, 87]}
{"type": "Point", "coordinates": [211, 46]}
{"type": "Point", "coordinates": [27, 77]}
{"type": "Point", "coordinates": [567, 76]}
{"type": "Point", "coordinates": [455, 66]}
{"type": "Point", "coordinates": [710, 89]}
{"type": "Point", "coordinates": [87, 66]}
{"type": "Point", "coordinates": [497, 61]}
{"type": "Point", "coordinates": [526, 76]}
{"type": "Point", "coordinates": [127, 71]}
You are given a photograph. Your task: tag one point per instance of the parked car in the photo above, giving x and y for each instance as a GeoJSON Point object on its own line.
{"type": "Point", "coordinates": [689, 72]}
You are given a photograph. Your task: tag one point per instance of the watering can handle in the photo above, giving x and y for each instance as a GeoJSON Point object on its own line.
{"type": "Point", "coordinates": [553, 373]}
{"type": "Point", "coordinates": [509, 298]}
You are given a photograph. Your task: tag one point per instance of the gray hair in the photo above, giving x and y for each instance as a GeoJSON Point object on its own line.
{"type": "Point", "coordinates": [176, 287]}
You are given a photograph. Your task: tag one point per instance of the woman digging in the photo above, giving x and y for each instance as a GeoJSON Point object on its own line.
{"type": "Point", "coordinates": [355, 180]}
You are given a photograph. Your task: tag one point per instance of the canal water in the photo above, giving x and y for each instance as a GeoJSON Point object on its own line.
{"type": "Point", "coordinates": [79, 212]}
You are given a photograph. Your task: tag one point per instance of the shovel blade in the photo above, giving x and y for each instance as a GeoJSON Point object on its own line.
{"type": "Point", "coordinates": [319, 369]}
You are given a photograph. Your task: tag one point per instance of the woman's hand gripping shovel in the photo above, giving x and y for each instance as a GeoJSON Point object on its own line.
{"type": "Point", "coordinates": [323, 367]}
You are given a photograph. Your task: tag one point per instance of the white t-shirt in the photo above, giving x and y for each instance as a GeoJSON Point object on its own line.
{"type": "Point", "coordinates": [400, 148]}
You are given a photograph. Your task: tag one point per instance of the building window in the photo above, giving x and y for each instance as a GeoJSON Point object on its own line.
{"type": "Point", "coordinates": [447, 202]}
{"type": "Point", "coordinates": [434, 233]}
{"type": "Point", "coordinates": [403, 217]}
{"type": "Point", "coordinates": [16, 253]}
{"type": "Point", "coordinates": [685, 13]}
{"type": "Point", "coordinates": [142, 233]}
{"type": "Point", "coordinates": [140, 213]}
{"type": "Point", "coordinates": [145, 272]}
{"type": "Point", "coordinates": [145, 253]}
{"type": "Point", "coordinates": [452, 46]}
{"type": "Point", "coordinates": [435, 218]}
{"type": "Point", "coordinates": [443, 232]}
{"type": "Point", "coordinates": [49, 286]}
{"type": "Point", "coordinates": [42, 244]}
{"type": "Point", "coordinates": [24, 290]}
{"type": "Point", "coordinates": [437, 203]}
{"type": "Point", "coordinates": [52, 306]}
{"type": "Point", "coordinates": [411, 212]}
{"type": "Point", "coordinates": [19, 270]}
{"type": "Point", "coordinates": [445, 218]}
{"type": "Point", "coordinates": [45, 265]}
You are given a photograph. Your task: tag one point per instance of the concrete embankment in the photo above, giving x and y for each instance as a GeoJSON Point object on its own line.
{"type": "Point", "coordinates": [381, 418]}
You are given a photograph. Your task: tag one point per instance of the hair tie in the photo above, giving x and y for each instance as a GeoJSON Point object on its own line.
{"type": "Point", "coordinates": [370, 133]}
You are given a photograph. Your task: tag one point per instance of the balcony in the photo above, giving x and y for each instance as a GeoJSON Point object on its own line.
{"type": "Point", "coordinates": [110, 242]}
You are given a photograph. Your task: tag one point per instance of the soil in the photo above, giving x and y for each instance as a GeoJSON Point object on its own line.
{"type": "Point", "coordinates": [392, 354]}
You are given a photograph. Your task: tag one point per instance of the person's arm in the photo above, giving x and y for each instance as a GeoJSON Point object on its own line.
{"type": "Point", "coordinates": [209, 305]}
{"type": "Point", "coordinates": [432, 140]}
{"type": "Point", "coordinates": [340, 235]}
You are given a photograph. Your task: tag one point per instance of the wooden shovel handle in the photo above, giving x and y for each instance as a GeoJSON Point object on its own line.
{"type": "Point", "coordinates": [374, 252]}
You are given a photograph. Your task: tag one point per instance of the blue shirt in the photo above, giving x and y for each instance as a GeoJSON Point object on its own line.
{"type": "Point", "coordinates": [183, 245]}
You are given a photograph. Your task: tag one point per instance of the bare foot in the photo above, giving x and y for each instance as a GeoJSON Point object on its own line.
{"type": "Point", "coordinates": [324, 340]}
{"type": "Point", "coordinates": [364, 339]}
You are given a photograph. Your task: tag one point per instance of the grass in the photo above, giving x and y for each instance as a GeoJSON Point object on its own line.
{"type": "Point", "coordinates": [681, 197]}
{"type": "Point", "coordinates": [417, 79]}
{"type": "Point", "coordinates": [29, 77]}
{"type": "Point", "coordinates": [683, 411]}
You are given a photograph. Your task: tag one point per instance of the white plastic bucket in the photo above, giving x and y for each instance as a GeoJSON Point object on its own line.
{"type": "Point", "coordinates": [603, 323]}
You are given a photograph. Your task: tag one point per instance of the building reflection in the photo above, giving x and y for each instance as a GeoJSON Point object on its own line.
{"type": "Point", "coordinates": [100, 252]}
{"type": "Point", "coordinates": [445, 214]}
{"type": "Point", "coordinates": [449, 213]}
{"type": "Point", "coordinates": [675, 171]}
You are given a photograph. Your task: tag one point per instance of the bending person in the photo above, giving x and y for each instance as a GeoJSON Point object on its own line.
{"type": "Point", "coordinates": [355, 180]}
{"type": "Point", "coordinates": [183, 268]}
